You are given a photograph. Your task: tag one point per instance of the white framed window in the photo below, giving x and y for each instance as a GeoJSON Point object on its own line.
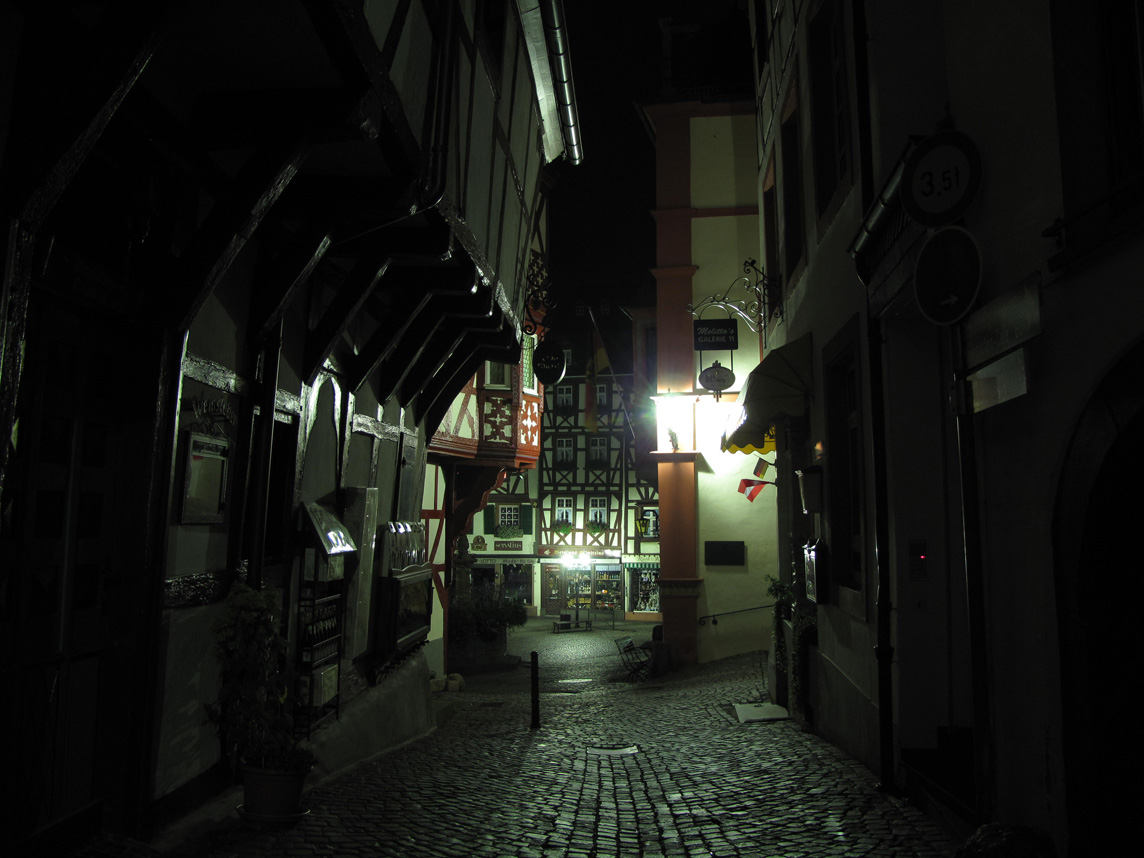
{"type": "Point", "coordinates": [598, 510]}
{"type": "Point", "coordinates": [598, 450]}
{"type": "Point", "coordinates": [564, 510]}
{"type": "Point", "coordinates": [603, 397]}
{"type": "Point", "coordinates": [565, 450]}
{"type": "Point", "coordinates": [564, 396]}
{"type": "Point", "coordinates": [508, 515]}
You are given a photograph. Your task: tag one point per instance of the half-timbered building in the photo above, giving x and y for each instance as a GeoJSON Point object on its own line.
{"type": "Point", "coordinates": [254, 256]}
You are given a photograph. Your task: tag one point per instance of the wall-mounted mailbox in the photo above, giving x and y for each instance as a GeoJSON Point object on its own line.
{"type": "Point", "coordinates": [204, 489]}
{"type": "Point", "coordinates": [330, 542]}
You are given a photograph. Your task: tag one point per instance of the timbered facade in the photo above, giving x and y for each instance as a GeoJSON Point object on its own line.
{"type": "Point", "coordinates": [255, 255]}
{"type": "Point", "coordinates": [591, 500]}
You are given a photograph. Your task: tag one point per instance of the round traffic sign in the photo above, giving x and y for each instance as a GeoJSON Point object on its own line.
{"type": "Point", "coordinates": [947, 276]}
{"type": "Point", "coordinates": [940, 178]}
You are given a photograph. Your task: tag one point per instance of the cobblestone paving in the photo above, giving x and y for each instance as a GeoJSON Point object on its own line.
{"type": "Point", "coordinates": [658, 768]}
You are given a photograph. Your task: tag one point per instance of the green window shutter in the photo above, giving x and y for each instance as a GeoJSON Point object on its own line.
{"type": "Point", "coordinates": [526, 518]}
{"type": "Point", "coordinates": [490, 518]}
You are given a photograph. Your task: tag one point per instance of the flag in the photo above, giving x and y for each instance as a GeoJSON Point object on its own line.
{"type": "Point", "coordinates": [597, 363]}
{"type": "Point", "coordinates": [761, 467]}
{"type": "Point", "coordinates": [751, 488]}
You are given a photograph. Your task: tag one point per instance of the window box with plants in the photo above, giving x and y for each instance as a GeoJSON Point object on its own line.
{"type": "Point", "coordinates": [254, 710]}
{"type": "Point", "coordinates": [509, 531]}
{"type": "Point", "coordinates": [597, 527]}
{"type": "Point", "coordinates": [563, 527]}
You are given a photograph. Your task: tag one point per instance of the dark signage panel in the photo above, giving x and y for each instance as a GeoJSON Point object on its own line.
{"type": "Point", "coordinates": [716, 334]}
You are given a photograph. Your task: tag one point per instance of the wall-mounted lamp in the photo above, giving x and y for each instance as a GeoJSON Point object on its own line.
{"type": "Point", "coordinates": [675, 422]}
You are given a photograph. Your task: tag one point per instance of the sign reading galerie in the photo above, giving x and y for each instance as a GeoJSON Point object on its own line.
{"type": "Point", "coordinates": [715, 334]}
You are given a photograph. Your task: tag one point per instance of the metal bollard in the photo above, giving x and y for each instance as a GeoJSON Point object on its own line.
{"type": "Point", "coordinates": [535, 690]}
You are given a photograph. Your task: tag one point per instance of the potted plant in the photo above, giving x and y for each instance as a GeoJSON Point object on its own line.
{"type": "Point", "coordinates": [478, 625]}
{"type": "Point", "coordinates": [562, 526]}
{"type": "Point", "coordinates": [596, 527]}
{"type": "Point", "coordinates": [255, 705]}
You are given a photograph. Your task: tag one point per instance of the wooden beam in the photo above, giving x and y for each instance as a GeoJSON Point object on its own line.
{"type": "Point", "coordinates": [353, 50]}
{"type": "Point", "coordinates": [413, 290]}
{"type": "Point", "coordinates": [346, 302]}
{"type": "Point", "coordinates": [279, 283]}
{"type": "Point", "coordinates": [233, 221]}
{"type": "Point", "coordinates": [433, 401]}
{"type": "Point", "coordinates": [462, 326]}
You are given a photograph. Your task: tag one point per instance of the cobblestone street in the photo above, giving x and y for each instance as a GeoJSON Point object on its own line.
{"type": "Point", "coordinates": [661, 767]}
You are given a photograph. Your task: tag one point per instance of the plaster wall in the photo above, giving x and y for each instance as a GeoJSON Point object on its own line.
{"type": "Point", "coordinates": [726, 515]}
{"type": "Point", "coordinates": [723, 161]}
{"type": "Point", "coordinates": [187, 745]}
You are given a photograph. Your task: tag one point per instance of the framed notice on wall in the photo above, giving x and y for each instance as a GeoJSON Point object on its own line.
{"type": "Point", "coordinates": [204, 489]}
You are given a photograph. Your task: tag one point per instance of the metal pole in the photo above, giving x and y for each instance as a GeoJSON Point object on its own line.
{"type": "Point", "coordinates": [535, 690]}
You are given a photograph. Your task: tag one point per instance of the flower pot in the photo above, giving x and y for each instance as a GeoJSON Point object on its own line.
{"type": "Point", "coordinates": [270, 795]}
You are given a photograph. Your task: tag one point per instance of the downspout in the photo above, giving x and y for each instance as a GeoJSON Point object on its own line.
{"type": "Point", "coordinates": [884, 649]}
{"type": "Point", "coordinates": [560, 60]}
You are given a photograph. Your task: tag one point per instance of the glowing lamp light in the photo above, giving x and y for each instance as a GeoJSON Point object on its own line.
{"type": "Point", "coordinates": [675, 422]}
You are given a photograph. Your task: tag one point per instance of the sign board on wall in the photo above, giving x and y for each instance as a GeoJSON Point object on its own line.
{"type": "Point", "coordinates": [716, 334]}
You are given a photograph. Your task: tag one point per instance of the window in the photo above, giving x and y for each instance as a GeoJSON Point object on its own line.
{"type": "Point", "coordinates": [791, 160]}
{"type": "Point", "coordinates": [496, 374]}
{"type": "Point", "coordinates": [648, 523]}
{"type": "Point", "coordinates": [508, 515]}
{"type": "Point", "coordinates": [564, 396]}
{"type": "Point", "coordinates": [565, 451]}
{"type": "Point", "coordinates": [598, 451]}
{"type": "Point", "coordinates": [527, 375]}
{"type": "Point", "coordinates": [1097, 51]}
{"type": "Point", "coordinates": [603, 398]}
{"type": "Point", "coordinates": [598, 510]}
{"type": "Point", "coordinates": [773, 287]}
{"type": "Point", "coordinates": [830, 110]}
{"type": "Point", "coordinates": [564, 510]}
{"type": "Point", "coordinates": [844, 459]}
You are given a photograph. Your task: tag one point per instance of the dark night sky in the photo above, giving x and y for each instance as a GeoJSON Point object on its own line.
{"type": "Point", "coordinates": [601, 234]}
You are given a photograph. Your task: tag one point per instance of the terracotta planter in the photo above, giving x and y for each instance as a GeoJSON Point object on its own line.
{"type": "Point", "coordinates": [270, 795]}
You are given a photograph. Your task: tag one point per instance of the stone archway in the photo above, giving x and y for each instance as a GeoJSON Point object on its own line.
{"type": "Point", "coordinates": [1099, 578]}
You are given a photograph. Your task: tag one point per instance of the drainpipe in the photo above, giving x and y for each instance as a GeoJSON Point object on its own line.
{"type": "Point", "coordinates": [560, 59]}
{"type": "Point", "coordinates": [974, 585]}
{"type": "Point", "coordinates": [875, 215]}
{"type": "Point", "coordinates": [884, 649]}
{"type": "Point", "coordinates": [434, 174]}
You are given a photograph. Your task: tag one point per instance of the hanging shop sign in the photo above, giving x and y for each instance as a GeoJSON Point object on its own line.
{"type": "Point", "coordinates": [716, 334]}
{"type": "Point", "coordinates": [548, 363]}
{"type": "Point", "coordinates": [716, 377]}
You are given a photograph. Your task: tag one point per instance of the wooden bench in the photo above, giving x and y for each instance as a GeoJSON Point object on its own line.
{"type": "Point", "coordinates": [567, 624]}
{"type": "Point", "coordinates": [636, 659]}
